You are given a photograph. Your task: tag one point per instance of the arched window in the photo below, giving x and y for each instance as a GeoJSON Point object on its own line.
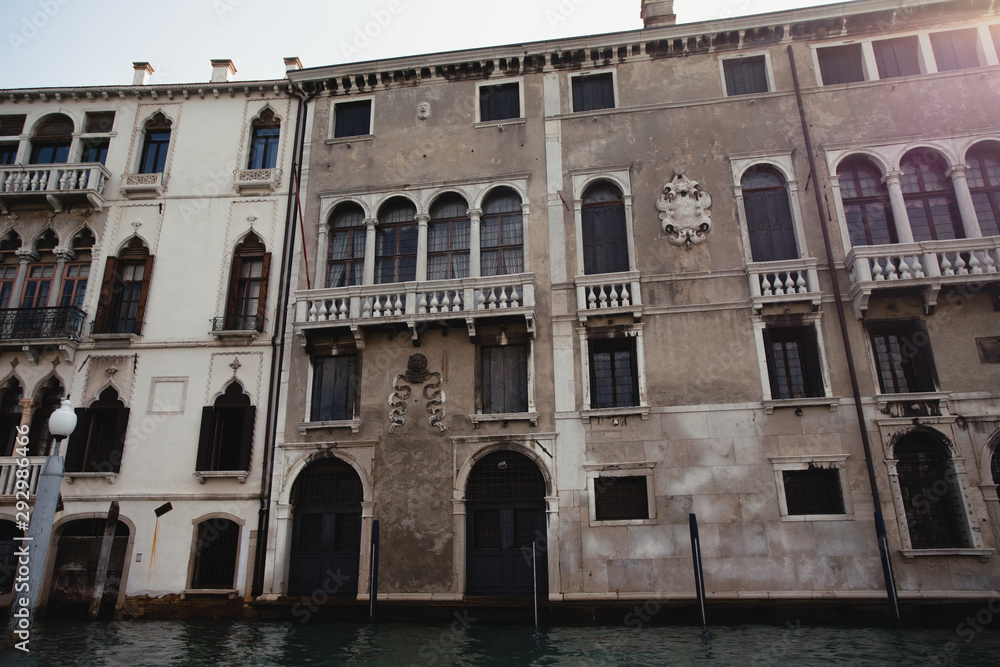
{"type": "Point", "coordinates": [995, 467]}
{"type": "Point", "coordinates": [8, 271]}
{"type": "Point", "coordinates": [866, 203]}
{"type": "Point", "coordinates": [448, 239]}
{"type": "Point", "coordinates": [984, 183]}
{"type": "Point", "coordinates": [346, 263]}
{"type": "Point", "coordinates": [247, 301]}
{"type": "Point", "coordinates": [226, 440]}
{"type": "Point", "coordinates": [264, 142]}
{"type": "Point", "coordinates": [38, 279]}
{"type": "Point", "coordinates": [768, 214]}
{"type": "Point", "coordinates": [47, 397]}
{"type": "Point", "coordinates": [215, 551]}
{"type": "Point", "coordinates": [51, 141]}
{"type": "Point", "coordinates": [97, 442]}
{"type": "Point", "coordinates": [605, 234]}
{"type": "Point", "coordinates": [154, 147]}
{"type": "Point", "coordinates": [10, 416]}
{"type": "Point", "coordinates": [929, 197]}
{"type": "Point", "coordinates": [124, 290]}
{"type": "Point", "coordinates": [931, 495]}
{"type": "Point", "coordinates": [501, 235]}
{"type": "Point", "coordinates": [396, 242]}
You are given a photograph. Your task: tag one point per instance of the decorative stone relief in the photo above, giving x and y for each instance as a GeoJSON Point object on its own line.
{"type": "Point", "coordinates": [423, 110]}
{"type": "Point", "coordinates": [684, 213]}
{"type": "Point", "coordinates": [417, 373]}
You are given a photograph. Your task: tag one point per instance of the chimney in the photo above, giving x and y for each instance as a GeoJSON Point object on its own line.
{"type": "Point", "coordinates": [657, 13]}
{"type": "Point", "coordinates": [222, 70]}
{"type": "Point", "coordinates": [292, 64]}
{"type": "Point", "coordinates": [142, 72]}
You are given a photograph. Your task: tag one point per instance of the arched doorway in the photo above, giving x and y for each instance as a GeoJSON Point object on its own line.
{"type": "Point", "coordinates": [504, 493]}
{"type": "Point", "coordinates": [326, 530]}
{"type": "Point", "coordinates": [77, 553]}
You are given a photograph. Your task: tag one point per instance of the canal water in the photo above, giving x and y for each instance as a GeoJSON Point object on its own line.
{"type": "Point", "coordinates": [465, 642]}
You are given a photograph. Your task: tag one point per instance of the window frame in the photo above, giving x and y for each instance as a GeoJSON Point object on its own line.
{"type": "Point", "coordinates": [210, 444]}
{"type": "Point", "coordinates": [332, 136]}
{"type": "Point", "coordinates": [491, 83]}
{"type": "Point", "coordinates": [936, 39]}
{"type": "Point", "coordinates": [320, 357]}
{"type": "Point", "coordinates": [925, 357]}
{"type": "Point", "coordinates": [631, 330]}
{"type": "Point", "coordinates": [81, 448]}
{"type": "Point", "coordinates": [990, 192]}
{"type": "Point", "coordinates": [781, 464]}
{"type": "Point", "coordinates": [863, 201]}
{"type": "Point", "coordinates": [152, 125]}
{"type": "Point", "coordinates": [397, 257]}
{"type": "Point", "coordinates": [878, 44]}
{"type": "Point", "coordinates": [258, 124]}
{"type": "Point", "coordinates": [620, 177]}
{"type": "Point", "coordinates": [593, 74]}
{"type": "Point", "coordinates": [636, 469]}
{"type": "Point", "coordinates": [815, 383]}
{"type": "Point", "coordinates": [503, 338]}
{"type": "Point", "coordinates": [768, 74]}
{"type": "Point", "coordinates": [866, 74]}
{"type": "Point", "coordinates": [450, 252]}
{"type": "Point", "coordinates": [193, 560]}
{"type": "Point", "coordinates": [249, 250]}
{"type": "Point", "coordinates": [109, 304]}
{"type": "Point", "coordinates": [780, 161]}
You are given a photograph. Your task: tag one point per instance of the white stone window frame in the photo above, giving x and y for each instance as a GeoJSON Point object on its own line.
{"type": "Point", "coordinates": [782, 161]}
{"type": "Point", "coordinates": [632, 330]}
{"type": "Point", "coordinates": [140, 141]}
{"type": "Point", "coordinates": [613, 71]}
{"type": "Point", "coordinates": [835, 461]}
{"type": "Point", "coordinates": [619, 176]}
{"type": "Point", "coordinates": [519, 80]}
{"type": "Point", "coordinates": [475, 194]}
{"type": "Point", "coordinates": [811, 320]}
{"type": "Point", "coordinates": [239, 571]}
{"type": "Point", "coordinates": [635, 469]}
{"type": "Point", "coordinates": [768, 71]}
{"type": "Point", "coordinates": [531, 415]}
{"type": "Point", "coordinates": [882, 398]}
{"type": "Point", "coordinates": [248, 131]}
{"type": "Point", "coordinates": [332, 123]}
{"type": "Point", "coordinates": [308, 424]}
{"type": "Point", "coordinates": [76, 149]}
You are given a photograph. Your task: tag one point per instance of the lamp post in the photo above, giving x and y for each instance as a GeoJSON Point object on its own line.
{"type": "Point", "coordinates": [36, 544]}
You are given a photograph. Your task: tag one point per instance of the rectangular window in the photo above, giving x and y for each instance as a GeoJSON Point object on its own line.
{"type": "Point", "coordinates": [903, 357]}
{"type": "Point", "coordinates": [11, 126]}
{"type": "Point", "coordinates": [95, 150]}
{"type": "Point", "coordinates": [841, 64]}
{"type": "Point", "coordinates": [897, 57]}
{"type": "Point", "coordinates": [74, 285]}
{"type": "Point", "coordinates": [745, 76]}
{"type": "Point", "coordinates": [813, 490]}
{"type": "Point", "coordinates": [352, 119]}
{"type": "Point", "coordinates": [504, 379]}
{"type": "Point", "coordinates": [7, 276]}
{"type": "Point", "coordinates": [793, 365]}
{"type": "Point", "coordinates": [154, 152]}
{"type": "Point", "coordinates": [100, 122]}
{"type": "Point", "coordinates": [594, 91]}
{"type": "Point", "coordinates": [956, 49]}
{"type": "Point", "coordinates": [621, 498]}
{"type": "Point", "coordinates": [8, 153]}
{"type": "Point", "coordinates": [335, 388]}
{"type": "Point", "coordinates": [499, 102]}
{"type": "Point", "coordinates": [614, 375]}
{"type": "Point", "coordinates": [36, 285]}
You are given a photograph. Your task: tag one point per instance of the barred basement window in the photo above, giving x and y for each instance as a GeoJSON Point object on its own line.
{"type": "Point", "coordinates": [215, 555]}
{"type": "Point", "coordinates": [813, 491]}
{"type": "Point", "coordinates": [621, 498]}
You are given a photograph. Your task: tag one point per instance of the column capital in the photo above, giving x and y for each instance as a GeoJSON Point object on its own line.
{"type": "Point", "coordinates": [474, 212]}
{"type": "Point", "coordinates": [26, 254]}
{"type": "Point", "coordinates": [371, 223]}
{"type": "Point", "coordinates": [892, 177]}
{"type": "Point", "coordinates": [64, 253]}
{"type": "Point", "coordinates": [422, 219]}
{"type": "Point", "coordinates": [957, 170]}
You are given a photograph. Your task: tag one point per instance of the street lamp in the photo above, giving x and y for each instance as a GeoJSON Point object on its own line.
{"type": "Point", "coordinates": [22, 609]}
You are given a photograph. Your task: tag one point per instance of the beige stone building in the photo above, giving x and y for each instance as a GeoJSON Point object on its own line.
{"type": "Point", "coordinates": [585, 282]}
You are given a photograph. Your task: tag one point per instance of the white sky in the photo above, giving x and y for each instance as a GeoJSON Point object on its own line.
{"type": "Point", "coordinates": [94, 42]}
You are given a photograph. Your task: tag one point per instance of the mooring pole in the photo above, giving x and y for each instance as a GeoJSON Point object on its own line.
{"type": "Point", "coordinates": [534, 567]}
{"type": "Point", "coordinates": [699, 574]}
{"type": "Point", "coordinates": [101, 576]}
{"type": "Point", "coordinates": [373, 573]}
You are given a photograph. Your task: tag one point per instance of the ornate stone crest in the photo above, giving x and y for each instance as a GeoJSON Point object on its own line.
{"type": "Point", "coordinates": [416, 373]}
{"type": "Point", "coordinates": [684, 213]}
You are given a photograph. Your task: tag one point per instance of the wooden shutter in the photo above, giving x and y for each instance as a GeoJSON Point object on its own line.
{"type": "Point", "coordinates": [246, 442]}
{"type": "Point", "coordinates": [840, 64]}
{"type": "Point", "coordinates": [105, 304]}
{"type": "Point", "coordinates": [591, 263]}
{"type": "Point", "coordinates": [769, 224]}
{"type": "Point", "coordinates": [206, 439]}
{"type": "Point", "coordinates": [262, 296]}
{"type": "Point", "coordinates": [234, 282]}
{"type": "Point", "coordinates": [923, 359]}
{"type": "Point", "coordinates": [745, 75]}
{"type": "Point", "coordinates": [77, 447]}
{"type": "Point", "coordinates": [772, 371]}
{"type": "Point", "coordinates": [316, 414]}
{"type": "Point", "coordinates": [811, 368]}
{"type": "Point", "coordinates": [118, 439]}
{"type": "Point", "coordinates": [140, 311]}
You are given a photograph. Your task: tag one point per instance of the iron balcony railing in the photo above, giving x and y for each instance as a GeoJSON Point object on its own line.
{"type": "Point", "coordinates": [238, 323]}
{"type": "Point", "coordinates": [51, 322]}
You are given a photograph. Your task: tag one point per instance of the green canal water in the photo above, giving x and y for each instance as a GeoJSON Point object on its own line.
{"type": "Point", "coordinates": [195, 643]}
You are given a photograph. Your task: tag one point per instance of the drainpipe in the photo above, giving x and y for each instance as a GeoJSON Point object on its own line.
{"type": "Point", "coordinates": [278, 341]}
{"type": "Point", "coordinates": [883, 544]}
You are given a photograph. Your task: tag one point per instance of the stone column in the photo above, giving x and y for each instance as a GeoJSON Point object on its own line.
{"type": "Point", "coordinates": [26, 256]}
{"type": "Point", "coordinates": [902, 219]}
{"type": "Point", "coordinates": [369, 277]}
{"type": "Point", "coordinates": [28, 407]}
{"type": "Point", "coordinates": [422, 220]}
{"type": "Point", "coordinates": [322, 254]}
{"type": "Point", "coordinates": [970, 221]}
{"type": "Point", "coordinates": [63, 254]}
{"type": "Point", "coordinates": [475, 267]}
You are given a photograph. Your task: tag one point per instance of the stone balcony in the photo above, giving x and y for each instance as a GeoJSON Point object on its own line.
{"type": "Point", "coordinates": [417, 303]}
{"type": "Point", "coordinates": [925, 267]}
{"type": "Point", "coordinates": [137, 186]}
{"type": "Point", "coordinates": [608, 294]}
{"type": "Point", "coordinates": [58, 184]}
{"type": "Point", "coordinates": [37, 329]}
{"type": "Point", "coordinates": [257, 180]}
{"type": "Point", "coordinates": [784, 281]}
{"type": "Point", "coordinates": [8, 477]}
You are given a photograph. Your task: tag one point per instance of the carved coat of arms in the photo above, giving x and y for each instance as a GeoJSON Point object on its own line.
{"type": "Point", "coordinates": [684, 213]}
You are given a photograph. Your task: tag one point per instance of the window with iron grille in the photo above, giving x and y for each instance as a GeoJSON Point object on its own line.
{"type": "Point", "coordinates": [931, 495]}
{"type": "Point", "coordinates": [745, 76]}
{"type": "Point", "coordinates": [505, 475]}
{"type": "Point", "coordinates": [903, 356]}
{"type": "Point", "coordinates": [594, 91]}
{"type": "Point", "coordinates": [813, 490]}
{"type": "Point", "coordinates": [499, 102]}
{"type": "Point", "coordinates": [840, 64]}
{"type": "Point", "coordinates": [614, 373]}
{"type": "Point", "coordinates": [335, 388]}
{"type": "Point", "coordinates": [352, 119]}
{"type": "Point", "coordinates": [215, 554]}
{"type": "Point", "coordinates": [897, 57]}
{"type": "Point", "coordinates": [621, 498]}
{"type": "Point", "coordinates": [793, 364]}
{"type": "Point", "coordinates": [866, 203]}
{"type": "Point", "coordinates": [504, 378]}
{"type": "Point", "coordinates": [956, 49]}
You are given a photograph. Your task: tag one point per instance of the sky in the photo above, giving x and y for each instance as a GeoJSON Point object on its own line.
{"type": "Point", "coordinates": [50, 43]}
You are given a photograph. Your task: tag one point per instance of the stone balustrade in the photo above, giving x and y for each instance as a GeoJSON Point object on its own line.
{"type": "Point", "coordinates": [54, 182]}
{"type": "Point", "coordinates": [608, 293]}
{"type": "Point", "coordinates": [8, 476]}
{"type": "Point", "coordinates": [784, 281]}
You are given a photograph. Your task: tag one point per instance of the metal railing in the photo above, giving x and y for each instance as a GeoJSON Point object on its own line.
{"type": "Point", "coordinates": [48, 322]}
{"type": "Point", "coordinates": [238, 323]}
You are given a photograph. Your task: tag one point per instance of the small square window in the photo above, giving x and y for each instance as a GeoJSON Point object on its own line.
{"type": "Point", "coordinates": [840, 64]}
{"type": "Point", "coordinates": [745, 76]}
{"type": "Point", "coordinates": [793, 365]}
{"type": "Point", "coordinates": [813, 490]}
{"type": "Point", "coordinates": [594, 91]}
{"type": "Point", "coordinates": [352, 119]}
{"type": "Point", "coordinates": [956, 49]}
{"type": "Point", "coordinates": [621, 498]}
{"type": "Point", "coordinates": [499, 102]}
{"type": "Point", "coordinates": [99, 122]}
{"type": "Point", "coordinates": [11, 126]}
{"type": "Point", "coordinates": [897, 57]}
